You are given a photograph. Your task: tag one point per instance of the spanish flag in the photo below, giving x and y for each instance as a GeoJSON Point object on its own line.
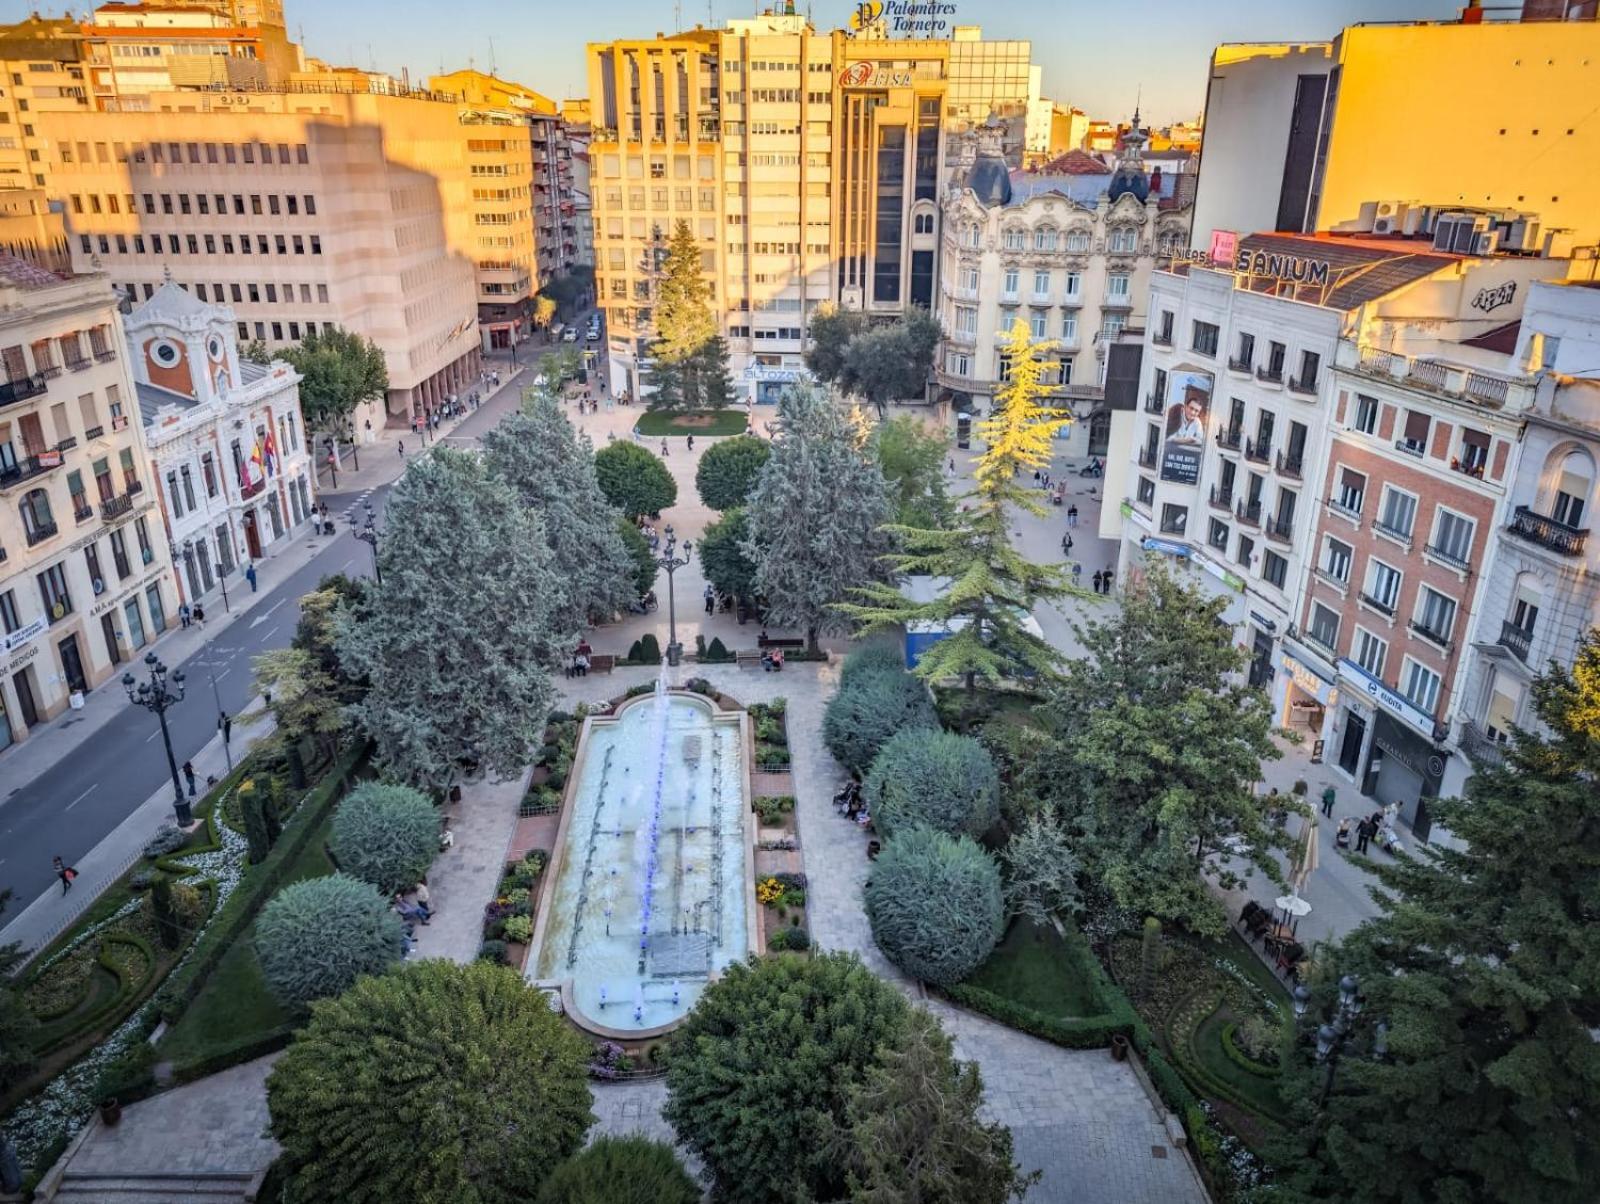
{"type": "Point", "coordinates": [271, 450]}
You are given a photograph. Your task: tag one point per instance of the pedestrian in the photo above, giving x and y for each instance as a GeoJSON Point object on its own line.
{"type": "Point", "coordinates": [188, 776]}
{"type": "Point", "coordinates": [1098, 576]}
{"type": "Point", "coordinates": [952, 465]}
{"type": "Point", "coordinates": [1108, 580]}
{"type": "Point", "coordinates": [1327, 802]}
{"type": "Point", "coordinates": [400, 445]}
{"type": "Point", "coordinates": [1072, 515]}
{"type": "Point", "coordinates": [691, 442]}
{"type": "Point", "coordinates": [66, 873]}
{"type": "Point", "coordinates": [250, 575]}
{"type": "Point", "coordinates": [711, 600]}
{"type": "Point", "coordinates": [1077, 571]}
{"type": "Point", "coordinates": [423, 898]}
{"type": "Point", "coordinates": [225, 726]}
{"type": "Point", "coordinates": [1363, 835]}
{"type": "Point", "coordinates": [184, 617]}
{"type": "Point", "coordinates": [200, 615]}
{"type": "Point", "coordinates": [1035, 476]}
{"type": "Point", "coordinates": [664, 452]}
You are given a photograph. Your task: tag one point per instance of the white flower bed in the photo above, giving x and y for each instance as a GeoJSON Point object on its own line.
{"type": "Point", "coordinates": [68, 1100]}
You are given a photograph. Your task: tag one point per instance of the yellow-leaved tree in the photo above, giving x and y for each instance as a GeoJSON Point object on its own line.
{"type": "Point", "coordinates": [986, 588]}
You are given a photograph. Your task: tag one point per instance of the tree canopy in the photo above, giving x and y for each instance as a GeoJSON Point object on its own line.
{"type": "Point", "coordinates": [385, 834]}
{"type": "Point", "coordinates": [1485, 966]}
{"type": "Point", "coordinates": [933, 778]}
{"type": "Point", "coordinates": [690, 361]}
{"type": "Point", "coordinates": [831, 330]}
{"type": "Point", "coordinates": [729, 469]}
{"type": "Point", "coordinates": [315, 938]}
{"type": "Point", "coordinates": [723, 558]}
{"type": "Point", "coordinates": [815, 516]}
{"type": "Point", "coordinates": [913, 458]}
{"type": "Point", "coordinates": [880, 362]}
{"type": "Point", "coordinates": [434, 1083]}
{"type": "Point", "coordinates": [457, 640]}
{"type": "Point", "coordinates": [339, 370]}
{"type": "Point", "coordinates": [641, 560]}
{"type": "Point", "coordinates": [634, 479]}
{"type": "Point", "coordinates": [935, 905]}
{"type": "Point", "coordinates": [621, 1170]}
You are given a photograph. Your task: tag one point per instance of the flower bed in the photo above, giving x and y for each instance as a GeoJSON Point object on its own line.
{"type": "Point", "coordinates": [769, 727]}
{"type": "Point", "coordinates": [782, 898]}
{"type": "Point", "coordinates": [554, 764]}
{"type": "Point", "coordinates": [508, 918]}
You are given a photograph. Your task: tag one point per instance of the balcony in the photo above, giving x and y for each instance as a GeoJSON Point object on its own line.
{"type": "Point", "coordinates": [1410, 446]}
{"type": "Point", "coordinates": [1383, 608]}
{"type": "Point", "coordinates": [94, 432]}
{"type": "Point", "coordinates": [1305, 386]}
{"type": "Point", "coordinates": [1148, 457]}
{"type": "Point", "coordinates": [1152, 403]}
{"type": "Point", "coordinates": [1269, 375]}
{"type": "Point", "coordinates": [1280, 530]}
{"type": "Point", "coordinates": [1479, 746]}
{"type": "Point", "coordinates": [26, 469]}
{"type": "Point", "coordinates": [1290, 465]}
{"type": "Point", "coordinates": [1162, 338]}
{"type": "Point", "coordinates": [1394, 533]}
{"type": "Point", "coordinates": [81, 364]}
{"type": "Point", "coordinates": [1221, 498]}
{"type": "Point", "coordinates": [1241, 363]}
{"type": "Point", "coordinates": [119, 422]}
{"type": "Point", "coordinates": [41, 532]}
{"type": "Point", "coordinates": [1328, 575]}
{"type": "Point", "coordinates": [82, 512]}
{"type": "Point", "coordinates": [1074, 299]}
{"type": "Point", "coordinates": [1260, 453]}
{"type": "Point", "coordinates": [1321, 644]}
{"type": "Point", "coordinates": [1230, 437]}
{"type": "Point", "coordinates": [1495, 392]}
{"type": "Point", "coordinates": [1449, 558]}
{"type": "Point", "coordinates": [21, 390]}
{"type": "Point", "coordinates": [1117, 303]}
{"type": "Point", "coordinates": [1548, 533]}
{"type": "Point", "coordinates": [115, 507]}
{"type": "Point", "coordinates": [104, 357]}
{"type": "Point", "coordinates": [1515, 640]}
{"type": "Point", "coordinates": [1249, 512]}
{"type": "Point", "coordinates": [1436, 638]}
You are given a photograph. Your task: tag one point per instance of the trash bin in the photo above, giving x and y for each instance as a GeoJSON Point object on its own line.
{"type": "Point", "coordinates": [75, 700]}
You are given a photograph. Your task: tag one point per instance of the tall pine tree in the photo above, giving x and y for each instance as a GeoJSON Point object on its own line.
{"type": "Point", "coordinates": [1485, 965]}
{"type": "Point", "coordinates": [686, 346]}
{"type": "Point", "coordinates": [992, 587]}
{"type": "Point", "coordinates": [815, 516]}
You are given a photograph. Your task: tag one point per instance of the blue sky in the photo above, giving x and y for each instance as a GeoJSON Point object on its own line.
{"type": "Point", "coordinates": [1095, 53]}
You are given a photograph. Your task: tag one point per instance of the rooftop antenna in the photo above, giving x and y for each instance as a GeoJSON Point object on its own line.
{"type": "Point", "coordinates": [491, 57]}
{"type": "Point", "coordinates": [677, 16]}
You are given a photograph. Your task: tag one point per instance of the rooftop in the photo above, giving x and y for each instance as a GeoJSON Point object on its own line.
{"type": "Point", "coordinates": [19, 273]}
{"type": "Point", "coordinates": [1357, 270]}
{"type": "Point", "coordinates": [153, 399]}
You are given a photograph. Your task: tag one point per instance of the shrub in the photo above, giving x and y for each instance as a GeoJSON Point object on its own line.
{"type": "Point", "coordinates": [167, 926]}
{"type": "Point", "coordinates": [634, 480]}
{"type": "Point", "coordinates": [874, 706]}
{"type": "Point", "coordinates": [517, 928]}
{"type": "Point", "coordinates": [649, 649]}
{"type": "Point", "coordinates": [621, 1170]}
{"type": "Point", "coordinates": [874, 658]}
{"type": "Point", "coordinates": [315, 938]}
{"type": "Point", "coordinates": [141, 880]}
{"type": "Point", "coordinates": [772, 807]}
{"type": "Point", "coordinates": [492, 951]}
{"type": "Point", "coordinates": [699, 685]}
{"type": "Point", "coordinates": [934, 905]}
{"type": "Point", "coordinates": [386, 835]}
{"type": "Point", "coordinates": [789, 938]}
{"type": "Point", "coordinates": [432, 1082]}
{"type": "Point", "coordinates": [728, 470]}
{"type": "Point", "coordinates": [934, 778]}
{"type": "Point", "coordinates": [717, 651]}
{"type": "Point", "coordinates": [169, 838]}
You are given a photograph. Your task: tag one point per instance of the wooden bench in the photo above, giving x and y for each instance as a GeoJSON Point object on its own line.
{"type": "Point", "coordinates": [787, 643]}
{"type": "Point", "coordinates": [602, 663]}
{"type": "Point", "coordinates": [748, 660]}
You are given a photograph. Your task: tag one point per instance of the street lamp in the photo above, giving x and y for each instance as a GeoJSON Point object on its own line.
{"type": "Point", "coordinates": [1332, 1036]}
{"type": "Point", "coordinates": [368, 534]}
{"type": "Point", "coordinates": [158, 694]}
{"type": "Point", "coordinates": [669, 561]}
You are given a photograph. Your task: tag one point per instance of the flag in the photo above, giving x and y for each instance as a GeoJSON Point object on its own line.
{"type": "Point", "coordinates": [271, 450]}
{"type": "Point", "coordinates": [256, 474]}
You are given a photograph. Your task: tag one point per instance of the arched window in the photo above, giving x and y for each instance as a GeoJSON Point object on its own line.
{"type": "Point", "coordinates": [1044, 238]}
{"type": "Point", "coordinates": [37, 521]}
{"type": "Point", "coordinates": [969, 235]}
{"type": "Point", "coordinates": [1123, 240]}
{"type": "Point", "coordinates": [1078, 240]}
{"type": "Point", "coordinates": [1571, 485]}
{"type": "Point", "coordinates": [1014, 238]}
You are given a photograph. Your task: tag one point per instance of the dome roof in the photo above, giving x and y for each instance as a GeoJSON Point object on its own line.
{"type": "Point", "coordinates": [990, 179]}
{"type": "Point", "coordinates": [1129, 177]}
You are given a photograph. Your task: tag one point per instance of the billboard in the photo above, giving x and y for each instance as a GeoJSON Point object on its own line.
{"type": "Point", "coordinates": [1188, 407]}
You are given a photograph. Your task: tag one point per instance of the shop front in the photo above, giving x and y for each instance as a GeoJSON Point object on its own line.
{"type": "Point", "coordinates": [1404, 761]}
{"type": "Point", "coordinates": [1305, 702]}
{"type": "Point", "coordinates": [770, 375]}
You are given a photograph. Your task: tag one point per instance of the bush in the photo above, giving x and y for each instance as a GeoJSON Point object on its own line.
{"type": "Point", "coordinates": [789, 938]}
{"type": "Point", "coordinates": [316, 937]}
{"type": "Point", "coordinates": [649, 649]}
{"type": "Point", "coordinates": [169, 838]}
{"type": "Point", "coordinates": [933, 778]}
{"type": "Point", "coordinates": [432, 1082]}
{"type": "Point", "coordinates": [699, 685]}
{"type": "Point", "coordinates": [385, 834]}
{"type": "Point", "coordinates": [641, 560]}
{"type": "Point", "coordinates": [517, 928]}
{"type": "Point", "coordinates": [728, 471]}
{"type": "Point", "coordinates": [874, 658]}
{"type": "Point", "coordinates": [717, 652]}
{"type": "Point", "coordinates": [934, 905]}
{"type": "Point", "coordinates": [634, 480]}
{"type": "Point", "coordinates": [492, 951]}
{"type": "Point", "coordinates": [772, 807]}
{"type": "Point", "coordinates": [141, 880]}
{"type": "Point", "coordinates": [874, 706]}
{"type": "Point", "coordinates": [621, 1170]}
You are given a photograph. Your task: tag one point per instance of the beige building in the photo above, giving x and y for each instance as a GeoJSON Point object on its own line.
{"type": "Point", "coordinates": [32, 229]}
{"type": "Point", "coordinates": [300, 210]}
{"type": "Point", "coordinates": [136, 50]}
{"type": "Point", "coordinates": [41, 71]}
{"type": "Point", "coordinates": [85, 575]}
{"type": "Point", "coordinates": [1070, 256]}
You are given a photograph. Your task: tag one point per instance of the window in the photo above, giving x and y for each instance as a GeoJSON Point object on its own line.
{"type": "Point", "coordinates": [1078, 240]}
{"type": "Point", "coordinates": [958, 363]}
{"type": "Point", "coordinates": [1436, 615]}
{"type": "Point", "coordinates": [922, 223]}
{"type": "Point", "coordinates": [1122, 241]}
{"type": "Point", "coordinates": [1369, 651]}
{"type": "Point", "coordinates": [1572, 490]}
{"type": "Point", "coordinates": [1336, 559]}
{"type": "Point", "coordinates": [1415, 438]}
{"type": "Point", "coordinates": [1420, 685]}
{"type": "Point", "coordinates": [1399, 514]}
{"type": "Point", "coordinates": [1310, 364]}
{"type": "Point", "coordinates": [1074, 287]}
{"type": "Point", "coordinates": [1247, 551]}
{"type": "Point", "coordinates": [1247, 351]}
{"type": "Point", "coordinates": [1205, 338]}
{"type": "Point", "coordinates": [37, 522]}
{"type": "Point", "coordinates": [1274, 568]}
{"type": "Point", "coordinates": [1452, 537]}
{"type": "Point", "coordinates": [1012, 240]}
{"type": "Point", "coordinates": [966, 320]}
{"type": "Point", "coordinates": [1383, 586]}
{"type": "Point", "coordinates": [9, 617]}
{"type": "Point", "coordinates": [1217, 536]}
{"type": "Point", "coordinates": [1366, 417]}
{"type": "Point", "coordinates": [1174, 519]}
{"type": "Point", "coordinates": [1474, 457]}
{"type": "Point", "coordinates": [969, 280]}
{"type": "Point", "coordinates": [1352, 491]}
{"type": "Point", "coordinates": [1041, 284]}
{"type": "Point", "coordinates": [1069, 328]}
{"type": "Point", "coordinates": [1117, 286]}
{"type": "Point", "coordinates": [1324, 627]}
{"type": "Point", "coordinates": [1044, 238]}
{"type": "Point", "coordinates": [54, 593]}
{"type": "Point", "coordinates": [1009, 287]}
{"type": "Point", "coordinates": [1147, 491]}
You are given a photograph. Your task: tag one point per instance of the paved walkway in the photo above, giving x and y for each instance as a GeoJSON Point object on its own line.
{"type": "Point", "coordinates": [463, 879]}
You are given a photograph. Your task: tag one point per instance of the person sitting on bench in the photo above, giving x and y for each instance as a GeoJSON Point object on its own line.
{"type": "Point", "coordinates": [772, 660]}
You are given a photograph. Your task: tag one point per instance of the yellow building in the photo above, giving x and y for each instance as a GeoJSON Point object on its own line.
{"type": "Point", "coordinates": [41, 71]}
{"type": "Point", "coordinates": [488, 91]}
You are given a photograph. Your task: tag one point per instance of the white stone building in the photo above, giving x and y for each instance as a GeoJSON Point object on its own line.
{"type": "Point", "coordinates": [226, 437]}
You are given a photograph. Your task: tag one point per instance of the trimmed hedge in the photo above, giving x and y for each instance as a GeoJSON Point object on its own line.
{"type": "Point", "coordinates": [1243, 1060]}
{"type": "Point", "coordinates": [247, 1049]}
{"type": "Point", "coordinates": [258, 884]}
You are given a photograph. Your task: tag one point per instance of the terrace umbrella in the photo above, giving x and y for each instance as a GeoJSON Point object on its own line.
{"type": "Point", "coordinates": [1305, 862]}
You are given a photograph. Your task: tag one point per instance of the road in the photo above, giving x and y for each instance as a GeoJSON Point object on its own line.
{"type": "Point", "coordinates": [70, 808]}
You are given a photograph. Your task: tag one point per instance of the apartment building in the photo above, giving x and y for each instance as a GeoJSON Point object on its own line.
{"type": "Point", "coordinates": [228, 445]}
{"type": "Point", "coordinates": [299, 210]}
{"type": "Point", "coordinates": [1496, 114]}
{"type": "Point", "coordinates": [32, 229]}
{"type": "Point", "coordinates": [1070, 255]}
{"type": "Point", "coordinates": [808, 164]}
{"type": "Point", "coordinates": [134, 51]}
{"type": "Point", "coordinates": [85, 576]}
{"type": "Point", "coordinates": [42, 70]}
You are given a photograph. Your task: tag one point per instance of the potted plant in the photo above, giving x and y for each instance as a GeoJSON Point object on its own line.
{"type": "Point", "coordinates": [110, 1110]}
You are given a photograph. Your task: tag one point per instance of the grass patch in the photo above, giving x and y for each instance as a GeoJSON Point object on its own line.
{"type": "Point", "coordinates": [235, 1006]}
{"type": "Point", "coordinates": [1033, 967]}
{"type": "Point", "coordinates": [692, 422]}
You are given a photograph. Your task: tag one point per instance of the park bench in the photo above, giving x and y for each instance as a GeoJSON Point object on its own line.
{"type": "Point", "coordinates": [748, 660]}
{"type": "Point", "coordinates": [787, 643]}
{"type": "Point", "coordinates": [602, 663]}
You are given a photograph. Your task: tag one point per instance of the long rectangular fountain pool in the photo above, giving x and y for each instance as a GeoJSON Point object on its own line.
{"type": "Point", "coordinates": [650, 890]}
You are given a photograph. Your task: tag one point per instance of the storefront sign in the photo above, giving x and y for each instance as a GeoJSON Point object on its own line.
{"type": "Point", "coordinates": [1224, 248]}
{"type": "Point", "coordinates": [1139, 520]}
{"type": "Point", "coordinates": [1392, 700]}
{"type": "Point", "coordinates": [23, 657]}
{"type": "Point", "coordinates": [23, 634]}
{"type": "Point", "coordinates": [1261, 621]}
{"type": "Point", "coordinates": [767, 373]}
{"type": "Point", "coordinates": [1309, 682]}
{"type": "Point", "coordinates": [1233, 582]}
{"type": "Point", "coordinates": [1282, 267]}
{"type": "Point", "coordinates": [1181, 550]}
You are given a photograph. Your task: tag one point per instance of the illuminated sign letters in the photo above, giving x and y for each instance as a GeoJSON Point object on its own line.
{"type": "Point", "coordinates": [1282, 267]}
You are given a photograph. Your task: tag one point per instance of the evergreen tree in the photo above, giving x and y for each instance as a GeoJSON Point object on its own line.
{"type": "Point", "coordinates": [714, 380]}
{"type": "Point", "coordinates": [891, 363]}
{"type": "Point", "coordinates": [642, 566]}
{"type": "Point", "coordinates": [1485, 966]}
{"type": "Point", "coordinates": [634, 479]}
{"type": "Point", "coordinates": [831, 330]}
{"type": "Point", "coordinates": [551, 468]}
{"type": "Point", "coordinates": [684, 327]}
{"type": "Point", "coordinates": [912, 457]}
{"type": "Point", "coordinates": [1156, 744]}
{"type": "Point", "coordinates": [723, 558]}
{"type": "Point", "coordinates": [993, 586]}
{"type": "Point", "coordinates": [457, 641]}
{"type": "Point", "coordinates": [815, 516]}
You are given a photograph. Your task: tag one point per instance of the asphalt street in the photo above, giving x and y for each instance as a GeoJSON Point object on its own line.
{"type": "Point", "coordinates": [70, 808]}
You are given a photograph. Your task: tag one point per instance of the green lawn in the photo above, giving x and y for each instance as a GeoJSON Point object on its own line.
{"type": "Point", "coordinates": [692, 422]}
{"type": "Point", "coordinates": [1034, 968]}
{"type": "Point", "coordinates": [235, 1006]}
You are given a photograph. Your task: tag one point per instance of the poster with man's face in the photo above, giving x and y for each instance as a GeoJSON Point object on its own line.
{"type": "Point", "coordinates": [1188, 407]}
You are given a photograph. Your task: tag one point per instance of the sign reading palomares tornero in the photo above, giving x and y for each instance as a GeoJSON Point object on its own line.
{"type": "Point", "coordinates": [906, 18]}
{"type": "Point", "coordinates": [1282, 267]}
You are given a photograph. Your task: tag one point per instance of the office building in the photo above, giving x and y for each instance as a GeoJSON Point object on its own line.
{"type": "Point", "coordinates": [42, 70]}
{"type": "Point", "coordinates": [85, 576]}
{"type": "Point", "coordinates": [1489, 114]}
{"type": "Point", "coordinates": [134, 51]}
{"type": "Point", "coordinates": [227, 442]}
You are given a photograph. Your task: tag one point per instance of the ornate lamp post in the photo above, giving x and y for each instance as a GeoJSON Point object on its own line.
{"type": "Point", "coordinates": [670, 561]}
{"type": "Point", "coordinates": [367, 533]}
{"type": "Point", "coordinates": [1332, 1036]}
{"type": "Point", "coordinates": [158, 694]}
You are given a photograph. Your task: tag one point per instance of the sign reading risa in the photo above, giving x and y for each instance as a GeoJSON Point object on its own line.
{"type": "Point", "coordinates": [873, 75]}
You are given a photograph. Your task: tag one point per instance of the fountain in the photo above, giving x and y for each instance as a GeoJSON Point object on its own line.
{"type": "Point", "coordinates": [649, 893]}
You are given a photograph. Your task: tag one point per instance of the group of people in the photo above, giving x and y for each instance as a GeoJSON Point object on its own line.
{"type": "Point", "coordinates": [191, 614]}
{"type": "Point", "coordinates": [413, 907]}
{"type": "Point", "coordinates": [1103, 581]}
{"type": "Point", "coordinates": [1375, 828]}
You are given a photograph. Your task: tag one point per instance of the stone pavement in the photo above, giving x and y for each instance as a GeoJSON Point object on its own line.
{"type": "Point", "coordinates": [462, 881]}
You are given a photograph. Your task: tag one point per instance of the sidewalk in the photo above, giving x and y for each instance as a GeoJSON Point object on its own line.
{"type": "Point", "coordinates": [462, 882]}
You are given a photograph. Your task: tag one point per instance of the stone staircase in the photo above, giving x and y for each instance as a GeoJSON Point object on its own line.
{"type": "Point", "coordinates": [196, 1188]}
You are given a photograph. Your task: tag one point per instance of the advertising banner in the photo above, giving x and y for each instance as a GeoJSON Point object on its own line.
{"type": "Point", "coordinates": [1188, 408]}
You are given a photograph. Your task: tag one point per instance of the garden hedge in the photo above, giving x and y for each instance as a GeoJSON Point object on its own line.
{"type": "Point", "coordinates": [256, 886]}
{"type": "Point", "coordinates": [933, 778]}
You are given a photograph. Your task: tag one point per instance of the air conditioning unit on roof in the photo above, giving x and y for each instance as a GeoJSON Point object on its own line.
{"type": "Point", "coordinates": [1455, 232]}
{"type": "Point", "coordinates": [1486, 242]}
{"type": "Point", "coordinates": [1390, 217]}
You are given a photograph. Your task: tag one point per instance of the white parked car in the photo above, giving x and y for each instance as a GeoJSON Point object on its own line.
{"type": "Point", "coordinates": [569, 335]}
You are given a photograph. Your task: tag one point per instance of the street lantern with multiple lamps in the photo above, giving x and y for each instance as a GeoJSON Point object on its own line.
{"type": "Point", "coordinates": [159, 694]}
{"type": "Point", "coordinates": [1333, 1035]}
{"type": "Point", "coordinates": [187, 551]}
{"type": "Point", "coordinates": [670, 561]}
{"type": "Point", "coordinates": [367, 533]}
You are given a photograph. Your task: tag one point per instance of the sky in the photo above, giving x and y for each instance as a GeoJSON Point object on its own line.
{"type": "Point", "coordinates": [1100, 56]}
